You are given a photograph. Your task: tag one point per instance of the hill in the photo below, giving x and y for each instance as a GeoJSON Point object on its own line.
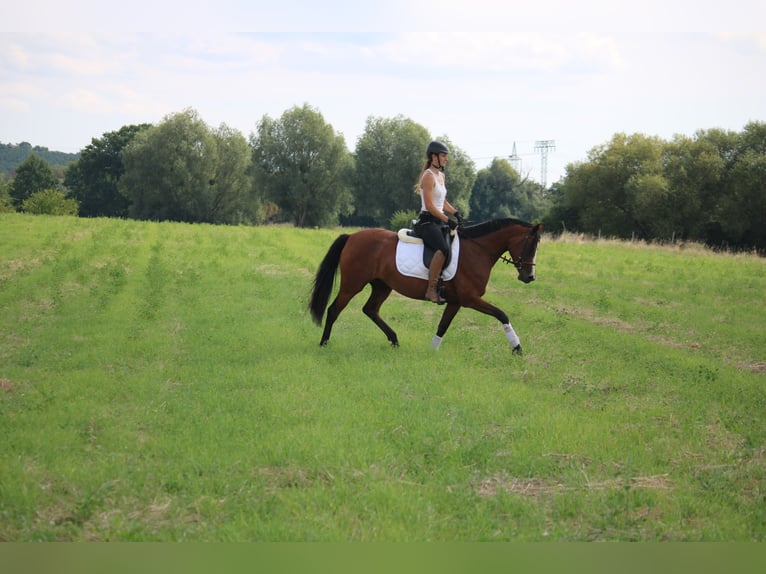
{"type": "Point", "coordinates": [12, 155]}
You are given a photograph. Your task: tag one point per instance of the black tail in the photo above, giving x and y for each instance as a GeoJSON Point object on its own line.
{"type": "Point", "coordinates": [325, 279]}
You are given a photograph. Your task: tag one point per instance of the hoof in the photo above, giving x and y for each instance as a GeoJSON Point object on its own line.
{"type": "Point", "coordinates": [323, 343]}
{"type": "Point", "coordinates": [395, 344]}
{"type": "Point", "coordinates": [517, 350]}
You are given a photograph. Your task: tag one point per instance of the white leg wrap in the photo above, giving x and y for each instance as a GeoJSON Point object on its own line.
{"type": "Point", "coordinates": [435, 342]}
{"type": "Point", "coordinates": [511, 335]}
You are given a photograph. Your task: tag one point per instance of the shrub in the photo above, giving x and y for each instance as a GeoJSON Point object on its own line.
{"type": "Point", "coordinates": [6, 202]}
{"type": "Point", "coordinates": [50, 202]}
{"type": "Point", "coordinates": [402, 219]}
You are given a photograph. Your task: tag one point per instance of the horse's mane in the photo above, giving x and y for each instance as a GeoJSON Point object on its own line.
{"type": "Point", "coordinates": [480, 229]}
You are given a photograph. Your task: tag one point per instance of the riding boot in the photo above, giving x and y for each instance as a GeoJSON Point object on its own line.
{"type": "Point", "coordinates": [434, 272]}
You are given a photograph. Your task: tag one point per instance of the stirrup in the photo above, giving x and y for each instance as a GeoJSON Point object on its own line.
{"type": "Point", "coordinates": [440, 300]}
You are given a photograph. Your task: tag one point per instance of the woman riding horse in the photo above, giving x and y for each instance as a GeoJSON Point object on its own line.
{"type": "Point", "coordinates": [368, 257]}
{"type": "Point", "coordinates": [433, 224]}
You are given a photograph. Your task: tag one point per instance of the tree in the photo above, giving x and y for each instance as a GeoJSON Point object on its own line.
{"type": "Point", "coordinates": [389, 156]}
{"type": "Point", "coordinates": [32, 175]}
{"type": "Point", "coordinates": [234, 199]}
{"type": "Point", "coordinates": [6, 202]}
{"type": "Point", "coordinates": [49, 202]}
{"type": "Point", "coordinates": [604, 190]}
{"type": "Point", "coordinates": [743, 207]}
{"type": "Point", "coordinates": [560, 216]}
{"type": "Point", "coordinates": [302, 166]}
{"type": "Point", "coordinates": [653, 205]}
{"type": "Point", "coordinates": [693, 169]}
{"type": "Point", "coordinates": [93, 178]}
{"type": "Point", "coordinates": [499, 191]}
{"type": "Point", "coordinates": [181, 170]}
{"type": "Point", "coordinates": [710, 188]}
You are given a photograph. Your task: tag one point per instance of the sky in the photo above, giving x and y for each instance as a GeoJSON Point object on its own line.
{"type": "Point", "coordinates": [490, 75]}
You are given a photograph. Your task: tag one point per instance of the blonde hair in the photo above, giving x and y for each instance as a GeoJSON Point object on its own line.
{"type": "Point", "coordinates": [420, 177]}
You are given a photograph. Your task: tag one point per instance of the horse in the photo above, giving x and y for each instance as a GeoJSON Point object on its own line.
{"type": "Point", "coordinates": [368, 257]}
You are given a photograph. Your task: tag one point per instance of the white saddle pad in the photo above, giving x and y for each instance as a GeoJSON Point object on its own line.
{"type": "Point", "coordinates": [409, 260]}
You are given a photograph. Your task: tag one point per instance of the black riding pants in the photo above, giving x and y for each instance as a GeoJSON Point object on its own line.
{"type": "Point", "coordinates": [433, 232]}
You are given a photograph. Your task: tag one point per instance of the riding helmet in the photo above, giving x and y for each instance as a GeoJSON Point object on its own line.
{"type": "Point", "coordinates": [436, 147]}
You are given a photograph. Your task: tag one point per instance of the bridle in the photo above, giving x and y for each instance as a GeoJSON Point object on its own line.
{"type": "Point", "coordinates": [530, 240]}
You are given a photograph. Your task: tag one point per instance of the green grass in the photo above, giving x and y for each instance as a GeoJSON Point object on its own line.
{"type": "Point", "coordinates": [164, 382]}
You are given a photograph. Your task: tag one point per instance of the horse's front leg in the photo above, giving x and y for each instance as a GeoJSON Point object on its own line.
{"type": "Point", "coordinates": [488, 309]}
{"type": "Point", "coordinates": [449, 313]}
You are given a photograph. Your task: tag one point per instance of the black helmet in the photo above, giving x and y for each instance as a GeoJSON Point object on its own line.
{"type": "Point", "coordinates": [437, 148]}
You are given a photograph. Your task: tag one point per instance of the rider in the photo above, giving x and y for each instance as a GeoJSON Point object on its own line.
{"type": "Point", "coordinates": [432, 222]}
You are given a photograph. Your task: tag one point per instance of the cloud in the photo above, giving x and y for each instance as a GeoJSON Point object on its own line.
{"type": "Point", "coordinates": [16, 57]}
{"type": "Point", "coordinates": [221, 52]}
{"type": "Point", "coordinates": [21, 91]}
{"type": "Point", "coordinates": [82, 65]}
{"type": "Point", "coordinates": [484, 89]}
{"type": "Point", "coordinates": [64, 54]}
{"type": "Point", "coordinates": [601, 49]}
{"type": "Point", "coordinates": [619, 17]}
{"type": "Point", "coordinates": [89, 101]}
{"type": "Point", "coordinates": [14, 105]}
{"type": "Point", "coordinates": [750, 41]}
{"type": "Point", "coordinates": [500, 52]}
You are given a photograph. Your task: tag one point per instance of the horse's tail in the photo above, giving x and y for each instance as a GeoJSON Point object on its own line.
{"type": "Point", "coordinates": [325, 279]}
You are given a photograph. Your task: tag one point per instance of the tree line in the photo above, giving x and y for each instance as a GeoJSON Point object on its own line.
{"type": "Point", "coordinates": [12, 155]}
{"type": "Point", "coordinates": [709, 188]}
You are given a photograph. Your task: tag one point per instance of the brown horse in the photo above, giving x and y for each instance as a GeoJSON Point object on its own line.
{"type": "Point", "coordinates": [368, 257]}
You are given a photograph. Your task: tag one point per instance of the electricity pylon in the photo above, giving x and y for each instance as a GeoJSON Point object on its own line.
{"type": "Point", "coordinates": [515, 159]}
{"type": "Point", "coordinates": [543, 146]}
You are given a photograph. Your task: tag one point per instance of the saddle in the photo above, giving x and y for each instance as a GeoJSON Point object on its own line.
{"type": "Point", "coordinates": [410, 236]}
{"type": "Point", "coordinates": [411, 257]}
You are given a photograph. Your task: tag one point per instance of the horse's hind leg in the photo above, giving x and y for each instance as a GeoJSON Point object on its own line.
{"type": "Point", "coordinates": [348, 290]}
{"type": "Point", "coordinates": [333, 311]}
{"type": "Point", "coordinates": [380, 292]}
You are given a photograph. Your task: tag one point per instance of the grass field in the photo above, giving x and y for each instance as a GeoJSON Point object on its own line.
{"type": "Point", "coordinates": [164, 382]}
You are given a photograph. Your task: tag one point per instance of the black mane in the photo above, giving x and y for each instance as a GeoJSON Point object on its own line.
{"type": "Point", "coordinates": [480, 229]}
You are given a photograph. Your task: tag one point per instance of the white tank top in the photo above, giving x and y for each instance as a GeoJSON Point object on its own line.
{"type": "Point", "coordinates": [439, 195]}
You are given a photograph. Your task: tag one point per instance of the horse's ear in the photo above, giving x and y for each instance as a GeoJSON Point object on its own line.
{"type": "Point", "coordinates": [538, 228]}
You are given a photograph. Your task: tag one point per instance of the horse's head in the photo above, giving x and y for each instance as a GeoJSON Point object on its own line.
{"type": "Point", "coordinates": [522, 245]}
